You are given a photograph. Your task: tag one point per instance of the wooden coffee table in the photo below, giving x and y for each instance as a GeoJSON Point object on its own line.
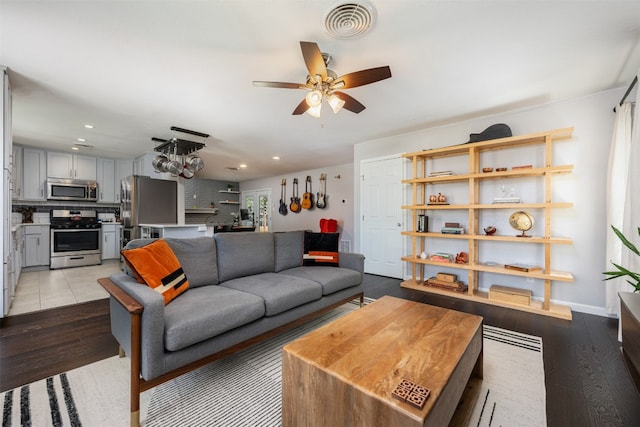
{"type": "Point", "coordinates": [344, 373]}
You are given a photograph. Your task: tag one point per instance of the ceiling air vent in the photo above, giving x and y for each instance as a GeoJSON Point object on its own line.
{"type": "Point", "coordinates": [347, 20]}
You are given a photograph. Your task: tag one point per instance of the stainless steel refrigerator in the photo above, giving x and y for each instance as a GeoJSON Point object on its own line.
{"type": "Point", "coordinates": [146, 201]}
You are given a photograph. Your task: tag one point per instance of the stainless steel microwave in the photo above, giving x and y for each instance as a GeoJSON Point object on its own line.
{"type": "Point", "coordinates": [72, 189]}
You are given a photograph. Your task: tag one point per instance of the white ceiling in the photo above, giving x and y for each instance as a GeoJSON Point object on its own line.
{"type": "Point", "coordinates": [135, 68]}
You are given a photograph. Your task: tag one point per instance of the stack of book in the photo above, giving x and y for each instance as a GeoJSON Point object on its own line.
{"type": "Point", "coordinates": [441, 257]}
{"type": "Point", "coordinates": [446, 281]}
{"type": "Point", "coordinates": [513, 199]}
{"type": "Point", "coordinates": [440, 173]}
{"type": "Point", "coordinates": [452, 230]}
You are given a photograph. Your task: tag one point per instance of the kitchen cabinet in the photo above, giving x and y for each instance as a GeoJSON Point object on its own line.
{"type": "Point", "coordinates": [34, 174]}
{"type": "Point", "coordinates": [433, 172]}
{"type": "Point", "coordinates": [36, 245]}
{"type": "Point", "coordinates": [76, 166]}
{"type": "Point", "coordinates": [6, 139]}
{"type": "Point", "coordinates": [111, 241]}
{"type": "Point", "coordinates": [15, 263]}
{"type": "Point", "coordinates": [106, 180]}
{"type": "Point", "coordinates": [16, 172]}
{"type": "Point", "coordinates": [143, 166]}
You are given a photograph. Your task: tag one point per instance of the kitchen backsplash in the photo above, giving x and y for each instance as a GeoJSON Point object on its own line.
{"type": "Point", "coordinates": [42, 211]}
{"type": "Point", "coordinates": [205, 192]}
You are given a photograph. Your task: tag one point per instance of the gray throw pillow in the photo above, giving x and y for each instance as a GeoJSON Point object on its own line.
{"type": "Point", "coordinates": [198, 257]}
{"type": "Point", "coordinates": [289, 246]}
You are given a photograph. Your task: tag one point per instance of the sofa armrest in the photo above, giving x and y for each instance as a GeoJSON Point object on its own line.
{"type": "Point", "coordinates": [353, 261]}
{"type": "Point", "coordinates": [151, 321]}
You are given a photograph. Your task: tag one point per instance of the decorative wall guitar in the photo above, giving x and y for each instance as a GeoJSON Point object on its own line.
{"type": "Point", "coordinates": [294, 206]}
{"type": "Point", "coordinates": [283, 198]}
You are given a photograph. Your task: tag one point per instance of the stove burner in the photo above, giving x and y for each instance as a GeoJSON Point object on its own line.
{"type": "Point", "coordinates": [67, 219]}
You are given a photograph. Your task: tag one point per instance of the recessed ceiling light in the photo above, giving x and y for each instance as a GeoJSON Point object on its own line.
{"type": "Point", "coordinates": [81, 140]}
{"type": "Point", "coordinates": [276, 157]}
{"type": "Point", "coordinates": [75, 148]}
{"type": "Point", "coordinates": [243, 165]}
{"type": "Point", "coordinates": [89, 126]}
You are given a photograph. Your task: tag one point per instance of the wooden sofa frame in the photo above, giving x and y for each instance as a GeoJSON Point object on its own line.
{"type": "Point", "coordinates": [135, 309]}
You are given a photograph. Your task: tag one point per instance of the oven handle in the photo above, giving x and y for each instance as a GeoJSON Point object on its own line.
{"type": "Point", "coordinates": [74, 230]}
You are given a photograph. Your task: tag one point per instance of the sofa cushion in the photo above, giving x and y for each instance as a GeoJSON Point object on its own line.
{"type": "Point", "coordinates": [289, 246]}
{"type": "Point", "coordinates": [206, 312]}
{"type": "Point", "coordinates": [198, 259]}
{"type": "Point", "coordinates": [244, 254]}
{"type": "Point", "coordinates": [279, 292]}
{"type": "Point", "coordinates": [321, 249]}
{"type": "Point", "coordinates": [332, 279]}
{"type": "Point", "coordinates": [156, 265]}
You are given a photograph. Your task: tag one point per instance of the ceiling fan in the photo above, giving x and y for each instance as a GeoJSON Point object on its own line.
{"type": "Point", "coordinates": [324, 83]}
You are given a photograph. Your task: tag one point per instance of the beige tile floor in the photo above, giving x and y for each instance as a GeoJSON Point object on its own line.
{"type": "Point", "coordinates": [39, 290]}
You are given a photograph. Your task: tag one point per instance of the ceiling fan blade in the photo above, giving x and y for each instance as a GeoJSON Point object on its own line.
{"type": "Point", "coordinates": [301, 108]}
{"type": "Point", "coordinates": [313, 59]}
{"type": "Point", "coordinates": [280, 85]}
{"type": "Point", "coordinates": [350, 103]}
{"type": "Point", "coordinates": [363, 77]}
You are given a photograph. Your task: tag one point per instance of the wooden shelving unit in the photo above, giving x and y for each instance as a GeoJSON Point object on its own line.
{"type": "Point", "coordinates": [474, 178]}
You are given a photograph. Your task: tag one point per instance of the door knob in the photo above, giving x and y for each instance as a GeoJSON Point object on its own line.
{"type": "Point", "coordinates": [399, 225]}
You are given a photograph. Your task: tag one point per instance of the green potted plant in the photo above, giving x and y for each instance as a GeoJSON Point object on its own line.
{"type": "Point", "coordinates": [633, 278]}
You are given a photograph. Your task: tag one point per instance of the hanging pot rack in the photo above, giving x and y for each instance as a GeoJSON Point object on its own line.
{"type": "Point", "coordinates": [178, 146]}
{"type": "Point", "coordinates": [177, 152]}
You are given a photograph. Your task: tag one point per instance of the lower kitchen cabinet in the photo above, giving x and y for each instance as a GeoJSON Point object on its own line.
{"type": "Point", "coordinates": [111, 241]}
{"type": "Point", "coordinates": [36, 245]}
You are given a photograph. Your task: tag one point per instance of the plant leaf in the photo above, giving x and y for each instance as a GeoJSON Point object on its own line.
{"type": "Point", "coordinates": [626, 242]}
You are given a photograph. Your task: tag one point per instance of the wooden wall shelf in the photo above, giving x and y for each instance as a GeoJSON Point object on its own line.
{"type": "Point", "coordinates": [474, 179]}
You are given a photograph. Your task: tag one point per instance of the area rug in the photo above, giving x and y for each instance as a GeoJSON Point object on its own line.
{"type": "Point", "coordinates": [245, 389]}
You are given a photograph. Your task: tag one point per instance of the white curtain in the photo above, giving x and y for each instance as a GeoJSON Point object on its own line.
{"type": "Point", "coordinates": [623, 199]}
{"type": "Point", "coordinates": [618, 173]}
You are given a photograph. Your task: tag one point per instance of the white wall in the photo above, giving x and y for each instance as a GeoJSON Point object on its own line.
{"type": "Point", "coordinates": [588, 150]}
{"type": "Point", "coordinates": [340, 201]}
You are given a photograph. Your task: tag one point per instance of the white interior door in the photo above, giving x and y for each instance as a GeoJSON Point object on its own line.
{"type": "Point", "coordinates": [381, 219]}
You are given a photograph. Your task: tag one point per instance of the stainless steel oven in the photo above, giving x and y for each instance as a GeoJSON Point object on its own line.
{"type": "Point", "coordinates": [75, 239]}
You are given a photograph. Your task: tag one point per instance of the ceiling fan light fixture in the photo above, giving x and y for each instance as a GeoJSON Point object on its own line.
{"type": "Point", "coordinates": [314, 98]}
{"type": "Point", "coordinates": [315, 111]}
{"type": "Point", "coordinates": [335, 102]}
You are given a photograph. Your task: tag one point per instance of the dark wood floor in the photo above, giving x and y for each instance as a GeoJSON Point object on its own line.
{"type": "Point", "coordinates": [48, 342]}
{"type": "Point", "coordinates": [586, 378]}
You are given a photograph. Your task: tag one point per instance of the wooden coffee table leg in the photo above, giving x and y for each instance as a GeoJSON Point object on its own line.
{"type": "Point", "coordinates": [470, 396]}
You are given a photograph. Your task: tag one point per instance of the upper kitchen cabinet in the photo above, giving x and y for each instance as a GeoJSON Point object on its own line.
{"type": "Point", "coordinates": [110, 173]}
{"type": "Point", "coordinates": [34, 174]}
{"type": "Point", "coordinates": [106, 181]}
{"type": "Point", "coordinates": [143, 166]}
{"type": "Point", "coordinates": [16, 172]}
{"type": "Point", "coordinates": [76, 166]}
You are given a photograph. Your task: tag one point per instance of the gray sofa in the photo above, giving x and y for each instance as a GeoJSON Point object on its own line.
{"type": "Point", "coordinates": [243, 288]}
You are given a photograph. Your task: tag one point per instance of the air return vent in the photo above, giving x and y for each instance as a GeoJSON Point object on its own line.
{"type": "Point", "coordinates": [349, 20]}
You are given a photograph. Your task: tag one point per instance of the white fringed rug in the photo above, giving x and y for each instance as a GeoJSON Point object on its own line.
{"type": "Point", "coordinates": [245, 389]}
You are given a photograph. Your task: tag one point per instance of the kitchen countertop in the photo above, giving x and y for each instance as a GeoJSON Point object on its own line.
{"type": "Point", "coordinates": [14, 227]}
{"type": "Point", "coordinates": [203, 226]}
